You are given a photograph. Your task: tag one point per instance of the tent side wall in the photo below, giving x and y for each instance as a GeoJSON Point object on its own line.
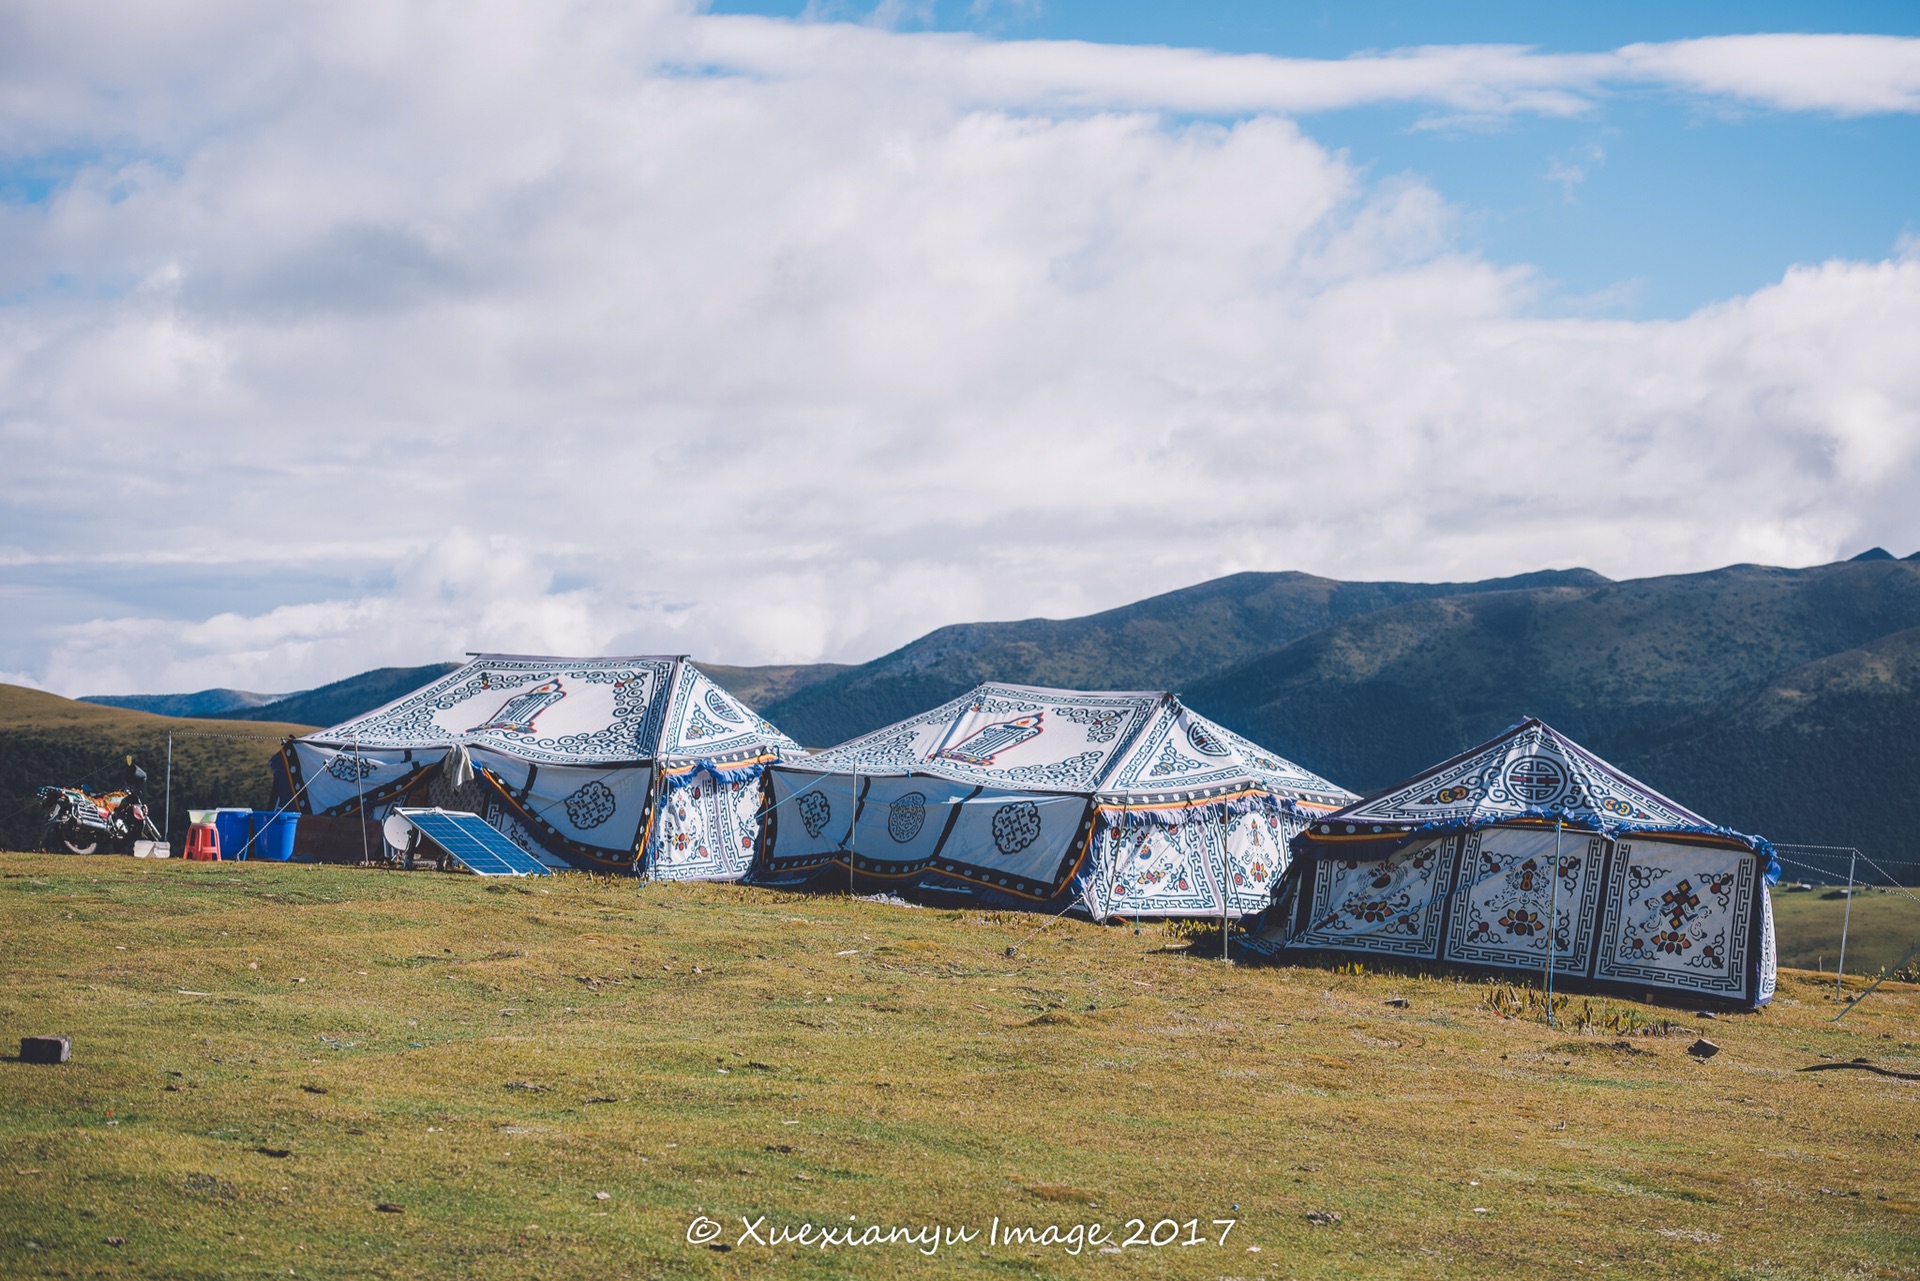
{"type": "Point", "coordinates": [1645, 912]}
{"type": "Point", "coordinates": [905, 832]}
{"type": "Point", "coordinates": [1145, 868]}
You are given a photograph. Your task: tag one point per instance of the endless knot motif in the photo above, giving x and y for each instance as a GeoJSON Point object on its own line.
{"type": "Point", "coordinates": [1016, 826]}
{"type": "Point", "coordinates": [591, 806]}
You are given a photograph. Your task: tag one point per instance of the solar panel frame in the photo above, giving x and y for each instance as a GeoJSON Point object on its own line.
{"type": "Point", "coordinates": [474, 843]}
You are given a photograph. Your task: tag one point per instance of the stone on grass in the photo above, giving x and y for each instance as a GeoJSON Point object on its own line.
{"type": "Point", "coordinates": [1703, 1049]}
{"type": "Point", "coordinates": [45, 1049]}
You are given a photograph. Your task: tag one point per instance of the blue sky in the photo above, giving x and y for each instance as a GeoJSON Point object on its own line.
{"type": "Point", "coordinates": [346, 333]}
{"type": "Point", "coordinates": [1652, 206]}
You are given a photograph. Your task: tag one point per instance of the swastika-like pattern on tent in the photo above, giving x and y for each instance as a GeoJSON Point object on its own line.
{"type": "Point", "coordinates": [1678, 915]}
{"type": "Point", "coordinates": [906, 815]}
{"type": "Point", "coordinates": [1015, 827]}
{"type": "Point", "coordinates": [816, 811]}
{"type": "Point", "coordinates": [1531, 768]}
{"type": "Point", "coordinates": [590, 806]}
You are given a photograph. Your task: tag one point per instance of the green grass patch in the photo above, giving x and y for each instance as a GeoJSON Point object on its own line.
{"type": "Point", "coordinates": [266, 1055]}
{"type": "Point", "coordinates": [1885, 924]}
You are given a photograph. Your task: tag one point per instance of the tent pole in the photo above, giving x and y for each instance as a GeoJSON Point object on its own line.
{"type": "Point", "coordinates": [360, 788]}
{"type": "Point", "coordinates": [1553, 916]}
{"type": "Point", "coordinates": [853, 829]}
{"type": "Point", "coordinates": [1226, 874]}
{"type": "Point", "coordinates": [1845, 921]}
{"type": "Point", "coordinates": [169, 819]}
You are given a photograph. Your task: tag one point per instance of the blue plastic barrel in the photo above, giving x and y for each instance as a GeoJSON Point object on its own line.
{"type": "Point", "coordinates": [234, 826]}
{"type": "Point", "coordinates": [273, 835]}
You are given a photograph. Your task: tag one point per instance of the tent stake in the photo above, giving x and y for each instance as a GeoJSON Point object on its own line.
{"type": "Point", "coordinates": [1846, 920]}
{"type": "Point", "coordinates": [1553, 916]}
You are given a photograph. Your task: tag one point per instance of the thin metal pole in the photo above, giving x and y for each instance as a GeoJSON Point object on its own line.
{"type": "Point", "coordinates": [853, 829]}
{"type": "Point", "coordinates": [1845, 921]}
{"type": "Point", "coordinates": [360, 788]}
{"type": "Point", "coordinates": [1553, 916]}
{"type": "Point", "coordinates": [169, 818]}
{"type": "Point", "coordinates": [1226, 874]}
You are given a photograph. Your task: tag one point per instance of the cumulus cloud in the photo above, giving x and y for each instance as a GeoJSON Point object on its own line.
{"type": "Point", "coordinates": [591, 328]}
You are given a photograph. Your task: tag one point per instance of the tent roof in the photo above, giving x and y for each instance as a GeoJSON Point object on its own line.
{"type": "Point", "coordinates": [1529, 770]}
{"type": "Point", "coordinates": [1140, 745]}
{"type": "Point", "coordinates": [569, 711]}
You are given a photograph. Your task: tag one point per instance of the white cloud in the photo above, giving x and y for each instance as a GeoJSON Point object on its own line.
{"type": "Point", "coordinates": [589, 328]}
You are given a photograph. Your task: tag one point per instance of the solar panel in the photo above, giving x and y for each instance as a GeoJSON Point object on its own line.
{"type": "Point", "coordinates": [478, 847]}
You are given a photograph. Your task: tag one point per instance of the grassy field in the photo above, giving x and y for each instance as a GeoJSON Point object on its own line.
{"type": "Point", "coordinates": [1885, 924]}
{"type": "Point", "coordinates": [265, 1055]}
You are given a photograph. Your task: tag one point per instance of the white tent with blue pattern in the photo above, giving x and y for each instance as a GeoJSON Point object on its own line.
{"type": "Point", "coordinates": [1120, 804]}
{"type": "Point", "coordinates": [1529, 851]}
{"type": "Point", "coordinates": [609, 764]}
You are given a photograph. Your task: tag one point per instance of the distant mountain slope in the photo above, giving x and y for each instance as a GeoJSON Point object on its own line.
{"type": "Point", "coordinates": [48, 739]}
{"type": "Point", "coordinates": [759, 686]}
{"type": "Point", "coordinates": [1827, 754]}
{"type": "Point", "coordinates": [1165, 642]}
{"type": "Point", "coordinates": [343, 700]}
{"type": "Point", "coordinates": [1372, 700]}
{"type": "Point", "coordinates": [207, 702]}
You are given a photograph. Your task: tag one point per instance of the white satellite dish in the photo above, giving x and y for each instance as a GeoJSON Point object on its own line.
{"type": "Point", "coordinates": [399, 833]}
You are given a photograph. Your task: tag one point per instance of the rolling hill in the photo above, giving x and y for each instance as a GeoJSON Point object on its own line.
{"type": "Point", "coordinates": [1165, 642]}
{"type": "Point", "coordinates": [202, 703]}
{"type": "Point", "coordinates": [48, 739]}
{"type": "Point", "coordinates": [1719, 688]}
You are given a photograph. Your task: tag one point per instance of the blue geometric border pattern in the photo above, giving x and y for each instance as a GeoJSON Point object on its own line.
{"type": "Point", "coordinates": [1531, 768]}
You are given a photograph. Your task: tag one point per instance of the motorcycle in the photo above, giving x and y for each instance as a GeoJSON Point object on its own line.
{"type": "Point", "coordinates": [82, 822]}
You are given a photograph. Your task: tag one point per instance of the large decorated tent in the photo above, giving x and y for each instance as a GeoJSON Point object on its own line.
{"type": "Point", "coordinates": [639, 764]}
{"type": "Point", "coordinates": [1529, 848]}
{"type": "Point", "coordinates": [1120, 803]}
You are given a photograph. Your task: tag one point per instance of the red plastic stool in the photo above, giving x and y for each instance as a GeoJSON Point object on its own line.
{"type": "Point", "coordinates": [203, 843]}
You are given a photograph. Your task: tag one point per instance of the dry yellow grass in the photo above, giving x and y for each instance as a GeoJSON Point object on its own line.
{"type": "Point", "coordinates": [265, 1054]}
